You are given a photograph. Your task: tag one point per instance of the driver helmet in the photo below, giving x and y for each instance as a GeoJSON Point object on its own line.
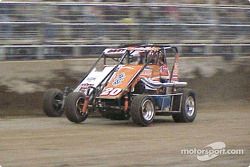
{"type": "Point", "coordinates": [137, 57]}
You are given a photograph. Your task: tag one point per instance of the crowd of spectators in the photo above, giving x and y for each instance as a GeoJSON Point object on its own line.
{"type": "Point", "coordinates": [66, 21]}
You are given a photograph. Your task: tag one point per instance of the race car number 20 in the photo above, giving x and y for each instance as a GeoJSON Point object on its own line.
{"type": "Point", "coordinates": [111, 91]}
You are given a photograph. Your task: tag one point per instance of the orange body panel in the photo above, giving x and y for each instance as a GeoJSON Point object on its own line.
{"type": "Point", "coordinates": [120, 81]}
{"type": "Point", "coordinates": [125, 76]}
{"type": "Point", "coordinates": [151, 71]}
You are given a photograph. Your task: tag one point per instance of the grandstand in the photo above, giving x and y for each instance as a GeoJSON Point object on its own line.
{"type": "Point", "coordinates": [49, 29]}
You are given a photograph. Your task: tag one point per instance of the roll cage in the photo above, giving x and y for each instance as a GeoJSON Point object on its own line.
{"type": "Point", "coordinates": [124, 55]}
{"type": "Point", "coordinates": [149, 52]}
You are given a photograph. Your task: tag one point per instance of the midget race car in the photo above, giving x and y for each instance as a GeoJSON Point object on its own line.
{"type": "Point", "coordinates": [132, 81]}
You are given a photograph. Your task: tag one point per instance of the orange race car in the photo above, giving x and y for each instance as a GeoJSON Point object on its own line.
{"type": "Point", "coordinates": [141, 86]}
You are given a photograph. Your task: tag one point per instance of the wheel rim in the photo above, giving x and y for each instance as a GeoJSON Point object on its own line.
{"type": "Point", "coordinates": [58, 102]}
{"type": "Point", "coordinates": [190, 106]}
{"type": "Point", "coordinates": [79, 105]}
{"type": "Point", "coordinates": [148, 110]}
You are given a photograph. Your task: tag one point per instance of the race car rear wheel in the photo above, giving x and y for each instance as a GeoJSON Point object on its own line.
{"type": "Point", "coordinates": [53, 103]}
{"type": "Point", "coordinates": [188, 107]}
{"type": "Point", "coordinates": [142, 110]}
{"type": "Point", "coordinates": [73, 107]}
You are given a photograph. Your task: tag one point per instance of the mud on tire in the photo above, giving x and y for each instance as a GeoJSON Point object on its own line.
{"type": "Point", "coordinates": [53, 103]}
{"type": "Point", "coordinates": [73, 106]}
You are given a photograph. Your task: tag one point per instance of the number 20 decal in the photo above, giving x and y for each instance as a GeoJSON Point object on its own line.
{"type": "Point", "coordinates": [111, 91]}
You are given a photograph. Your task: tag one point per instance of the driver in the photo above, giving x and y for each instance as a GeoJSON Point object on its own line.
{"type": "Point", "coordinates": [137, 58]}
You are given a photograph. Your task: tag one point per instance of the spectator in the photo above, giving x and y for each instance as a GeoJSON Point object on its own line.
{"type": "Point", "coordinates": [6, 29]}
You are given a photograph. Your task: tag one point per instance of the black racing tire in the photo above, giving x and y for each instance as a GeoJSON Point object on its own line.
{"type": "Point", "coordinates": [188, 107]}
{"type": "Point", "coordinates": [73, 105]}
{"type": "Point", "coordinates": [142, 110]}
{"type": "Point", "coordinates": [53, 102]}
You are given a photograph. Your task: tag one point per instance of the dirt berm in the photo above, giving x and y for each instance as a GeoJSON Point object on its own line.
{"type": "Point", "coordinates": [216, 82]}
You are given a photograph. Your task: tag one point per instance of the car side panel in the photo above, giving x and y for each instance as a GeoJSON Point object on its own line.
{"type": "Point", "coordinates": [120, 81]}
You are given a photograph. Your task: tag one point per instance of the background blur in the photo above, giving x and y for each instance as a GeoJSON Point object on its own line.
{"type": "Point", "coordinates": [213, 37]}
{"type": "Point", "coordinates": [61, 29]}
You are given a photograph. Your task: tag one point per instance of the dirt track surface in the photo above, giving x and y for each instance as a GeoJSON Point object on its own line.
{"type": "Point", "coordinates": [42, 141]}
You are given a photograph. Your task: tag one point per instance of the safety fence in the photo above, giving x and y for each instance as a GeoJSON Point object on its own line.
{"type": "Point", "coordinates": [73, 29]}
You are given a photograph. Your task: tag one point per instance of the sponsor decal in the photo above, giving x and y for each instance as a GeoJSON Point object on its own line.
{"type": "Point", "coordinates": [86, 86]}
{"type": "Point", "coordinates": [119, 79]}
{"type": "Point", "coordinates": [146, 72]}
{"type": "Point", "coordinates": [114, 51]}
{"type": "Point", "coordinates": [111, 91]}
{"type": "Point", "coordinates": [164, 69]}
{"type": "Point", "coordinates": [164, 73]}
{"type": "Point", "coordinates": [91, 79]}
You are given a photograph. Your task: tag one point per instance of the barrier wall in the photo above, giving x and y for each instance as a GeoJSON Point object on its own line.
{"type": "Point", "coordinates": [22, 83]}
{"type": "Point", "coordinates": [34, 76]}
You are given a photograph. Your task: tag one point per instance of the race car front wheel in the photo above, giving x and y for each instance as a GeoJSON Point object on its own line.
{"type": "Point", "coordinates": [73, 107]}
{"type": "Point", "coordinates": [53, 103]}
{"type": "Point", "coordinates": [142, 110]}
{"type": "Point", "coordinates": [188, 107]}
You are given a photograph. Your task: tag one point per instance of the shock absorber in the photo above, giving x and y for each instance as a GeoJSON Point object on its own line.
{"type": "Point", "coordinates": [126, 103]}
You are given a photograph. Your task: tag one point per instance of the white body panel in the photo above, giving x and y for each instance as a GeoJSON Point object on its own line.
{"type": "Point", "coordinates": [93, 79]}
